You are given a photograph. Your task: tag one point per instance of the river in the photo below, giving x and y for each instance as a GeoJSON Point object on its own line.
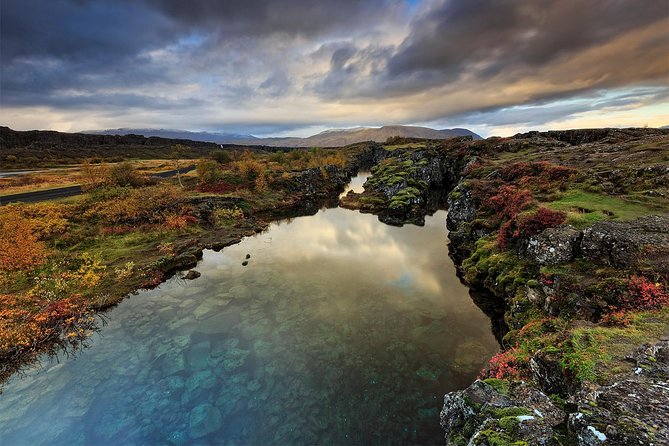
{"type": "Point", "coordinates": [339, 330]}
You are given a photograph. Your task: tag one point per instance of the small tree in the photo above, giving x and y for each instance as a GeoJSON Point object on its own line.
{"type": "Point", "coordinates": [92, 176]}
{"type": "Point", "coordinates": [208, 172]}
{"type": "Point", "coordinates": [177, 153]}
{"type": "Point", "coordinates": [124, 174]}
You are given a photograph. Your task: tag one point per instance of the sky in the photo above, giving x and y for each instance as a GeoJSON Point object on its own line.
{"type": "Point", "coordinates": [297, 67]}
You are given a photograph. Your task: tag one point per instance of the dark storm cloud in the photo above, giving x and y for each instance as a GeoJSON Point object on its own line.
{"type": "Point", "coordinates": [463, 42]}
{"type": "Point", "coordinates": [54, 45]}
{"type": "Point", "coordinates": [262, 17]}
{"type": "Point", "coordinates": [460, 35]}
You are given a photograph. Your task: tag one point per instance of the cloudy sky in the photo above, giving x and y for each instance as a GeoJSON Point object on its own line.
{"type": "Point", "coordinates": [296, 67]}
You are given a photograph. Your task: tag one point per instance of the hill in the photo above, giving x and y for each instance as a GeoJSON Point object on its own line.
{"type": "Point", "coordinates": [328, 138]}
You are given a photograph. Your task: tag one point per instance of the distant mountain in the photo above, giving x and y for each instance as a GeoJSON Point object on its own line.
{"type": "Point", "coordinates": [174, 134]}
{"type": "Point", "coordinates": [328, 138]}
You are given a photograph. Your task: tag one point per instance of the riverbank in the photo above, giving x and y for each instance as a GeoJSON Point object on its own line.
{"type": "Point", "coordinates": [567, 234]}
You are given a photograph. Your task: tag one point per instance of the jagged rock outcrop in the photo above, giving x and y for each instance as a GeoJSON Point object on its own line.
{"type": "Point", "coordinates": [554, 245]}
{"type": "Point", "coordinates": [497, 412]}
{"type": "Point", "coordinates": [627, 244]}
{"type": "Point", "coordinates": [631, 410]}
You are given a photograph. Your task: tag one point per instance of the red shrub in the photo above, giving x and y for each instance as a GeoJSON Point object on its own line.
{"type": "Point", "coordinates": [510, 201]}
{"type": "Point", "coordinates": [643, 294]}
{"type": "Point", "coordinates": [504, 364]}
{"type": "Point", "coordinates": [617, 319]}
{"type": "Point", "coordinates": [530, 225]}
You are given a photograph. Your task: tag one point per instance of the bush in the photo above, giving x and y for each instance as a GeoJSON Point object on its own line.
{"type": "Point", "coordinates": [529, 225]}
{"type": "Point", "coordinates": [145, 205]}
{"type": "Point", "coordinates": [208, 171]}
{"type": "Point", "coordinates": [124, 175]}
{"type": "Point", "coordinates": [221, 156]}
{"type": "Point", "coordinates": [226, 217]}
{"type": "Point", "coordinates": [20, 248]}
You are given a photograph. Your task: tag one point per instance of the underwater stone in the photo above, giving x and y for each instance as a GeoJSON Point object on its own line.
{"type": "Point", "coordinates": [204, 419]}
{"type": "Point", "coordinates": [198, 355]}
{"type": "Point", "coordinates": [172, 363]}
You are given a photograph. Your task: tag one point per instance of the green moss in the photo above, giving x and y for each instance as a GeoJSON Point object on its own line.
{"type": "Point", "coordinates": [501, 272]}
{"type": "Point", "coordinates": [594, 353]}
{"type": "Point", "coordinates": [494, 438]}
{"type": "Point", "coordinates": [500, 385]}
{"type": "Point", "coordinates": [509, 412]}
{"type": "Point", "coordinates": [509, 424]}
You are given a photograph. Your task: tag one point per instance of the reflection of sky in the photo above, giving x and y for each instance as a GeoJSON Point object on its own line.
{"type": "Point", "coordinates": [356, 184]}
{"type": "Point", "coordinates": [350, 243]}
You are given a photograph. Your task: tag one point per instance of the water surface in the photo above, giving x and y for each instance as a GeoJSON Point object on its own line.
{"type": "Point", "coordinates": [341, 330]}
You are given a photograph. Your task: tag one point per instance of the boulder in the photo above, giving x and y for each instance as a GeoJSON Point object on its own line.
{"type": "Point", "coordinates": [629, 244]}
{"type": "Point", "coordinates": [553, 245]}
{"type": "Point", "coordinates": [192, 274]}
{"type": "Point", "coordinates": [499, 412]}
{"type": "Point", "coordinates": [631, 410]}
{"type": "Point", "coordinates": [203, 420]}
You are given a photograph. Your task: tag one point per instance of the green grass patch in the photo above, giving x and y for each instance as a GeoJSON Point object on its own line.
{"type": "Point", "coordinates": [585, 208]}
{"type": "Point", "coordinates": [413, 145]}
{"type": "Point", "coordinates": [597, 353]}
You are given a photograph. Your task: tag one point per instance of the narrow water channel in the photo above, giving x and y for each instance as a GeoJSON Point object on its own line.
{"type": "Point", "coordinates": [340, 330]}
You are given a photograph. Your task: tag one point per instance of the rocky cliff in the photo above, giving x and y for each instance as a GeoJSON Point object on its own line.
{"type": "Point", "coordinates": [566, 234]}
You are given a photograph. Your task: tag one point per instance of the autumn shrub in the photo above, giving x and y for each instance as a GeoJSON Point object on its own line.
{"type": "Point", "coordinates": [226, 216]}
{"type": "Point", "coordinates": [221, 156]}
{"type": "Point", "coordinates": [145, 205]}
{"type": "Point", "coordinates": [208, 171]}
{"type": "Point", "coordinates": [48, 219]}
{"type": "Point", "coordinates": [92, 176]}
{"type": "Point", "coordinates": [260, 183]}
{"type": "Point", "coordinates": [174, 221]}
{"type": "Point", "coordinates": [249, 167]}
{"type": "Point", "coordinates": [278, 157]}
{"type": "Point", "coordinates": [509, 201]}
{"type": "Point", "coordinates": [643, 294]}
{"type": "Point", "coordinates": [504, 365]}
{"type": "Point", "coordinates": [20, 247]}
{"type": "Point", "coordinates": [27, 323]}
{"type": "Point", "coordinates": [124, 175]}
{"type": "Point", "coordinates": [529, 225]}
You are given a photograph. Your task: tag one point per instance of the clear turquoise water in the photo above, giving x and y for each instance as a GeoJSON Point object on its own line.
{"type": "Point", "coordinates": [341, 330]}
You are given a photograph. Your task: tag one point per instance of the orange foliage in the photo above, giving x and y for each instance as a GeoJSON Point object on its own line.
{"type": "Point", "coordinates": [144, 205]}
{"type": "Point", "coordinates": [26, 322]}
{"type": "Point", "coordinates": [19, 244]}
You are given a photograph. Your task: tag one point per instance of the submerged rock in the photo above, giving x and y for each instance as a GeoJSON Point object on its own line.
{"type": "Point", "coordinates": [192, 274]}
{"type": "Point", "coordinates": [203, 420]}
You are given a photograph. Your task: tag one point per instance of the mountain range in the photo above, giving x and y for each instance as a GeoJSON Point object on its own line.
{"type": "Point", "coordinates": [328, 138]}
